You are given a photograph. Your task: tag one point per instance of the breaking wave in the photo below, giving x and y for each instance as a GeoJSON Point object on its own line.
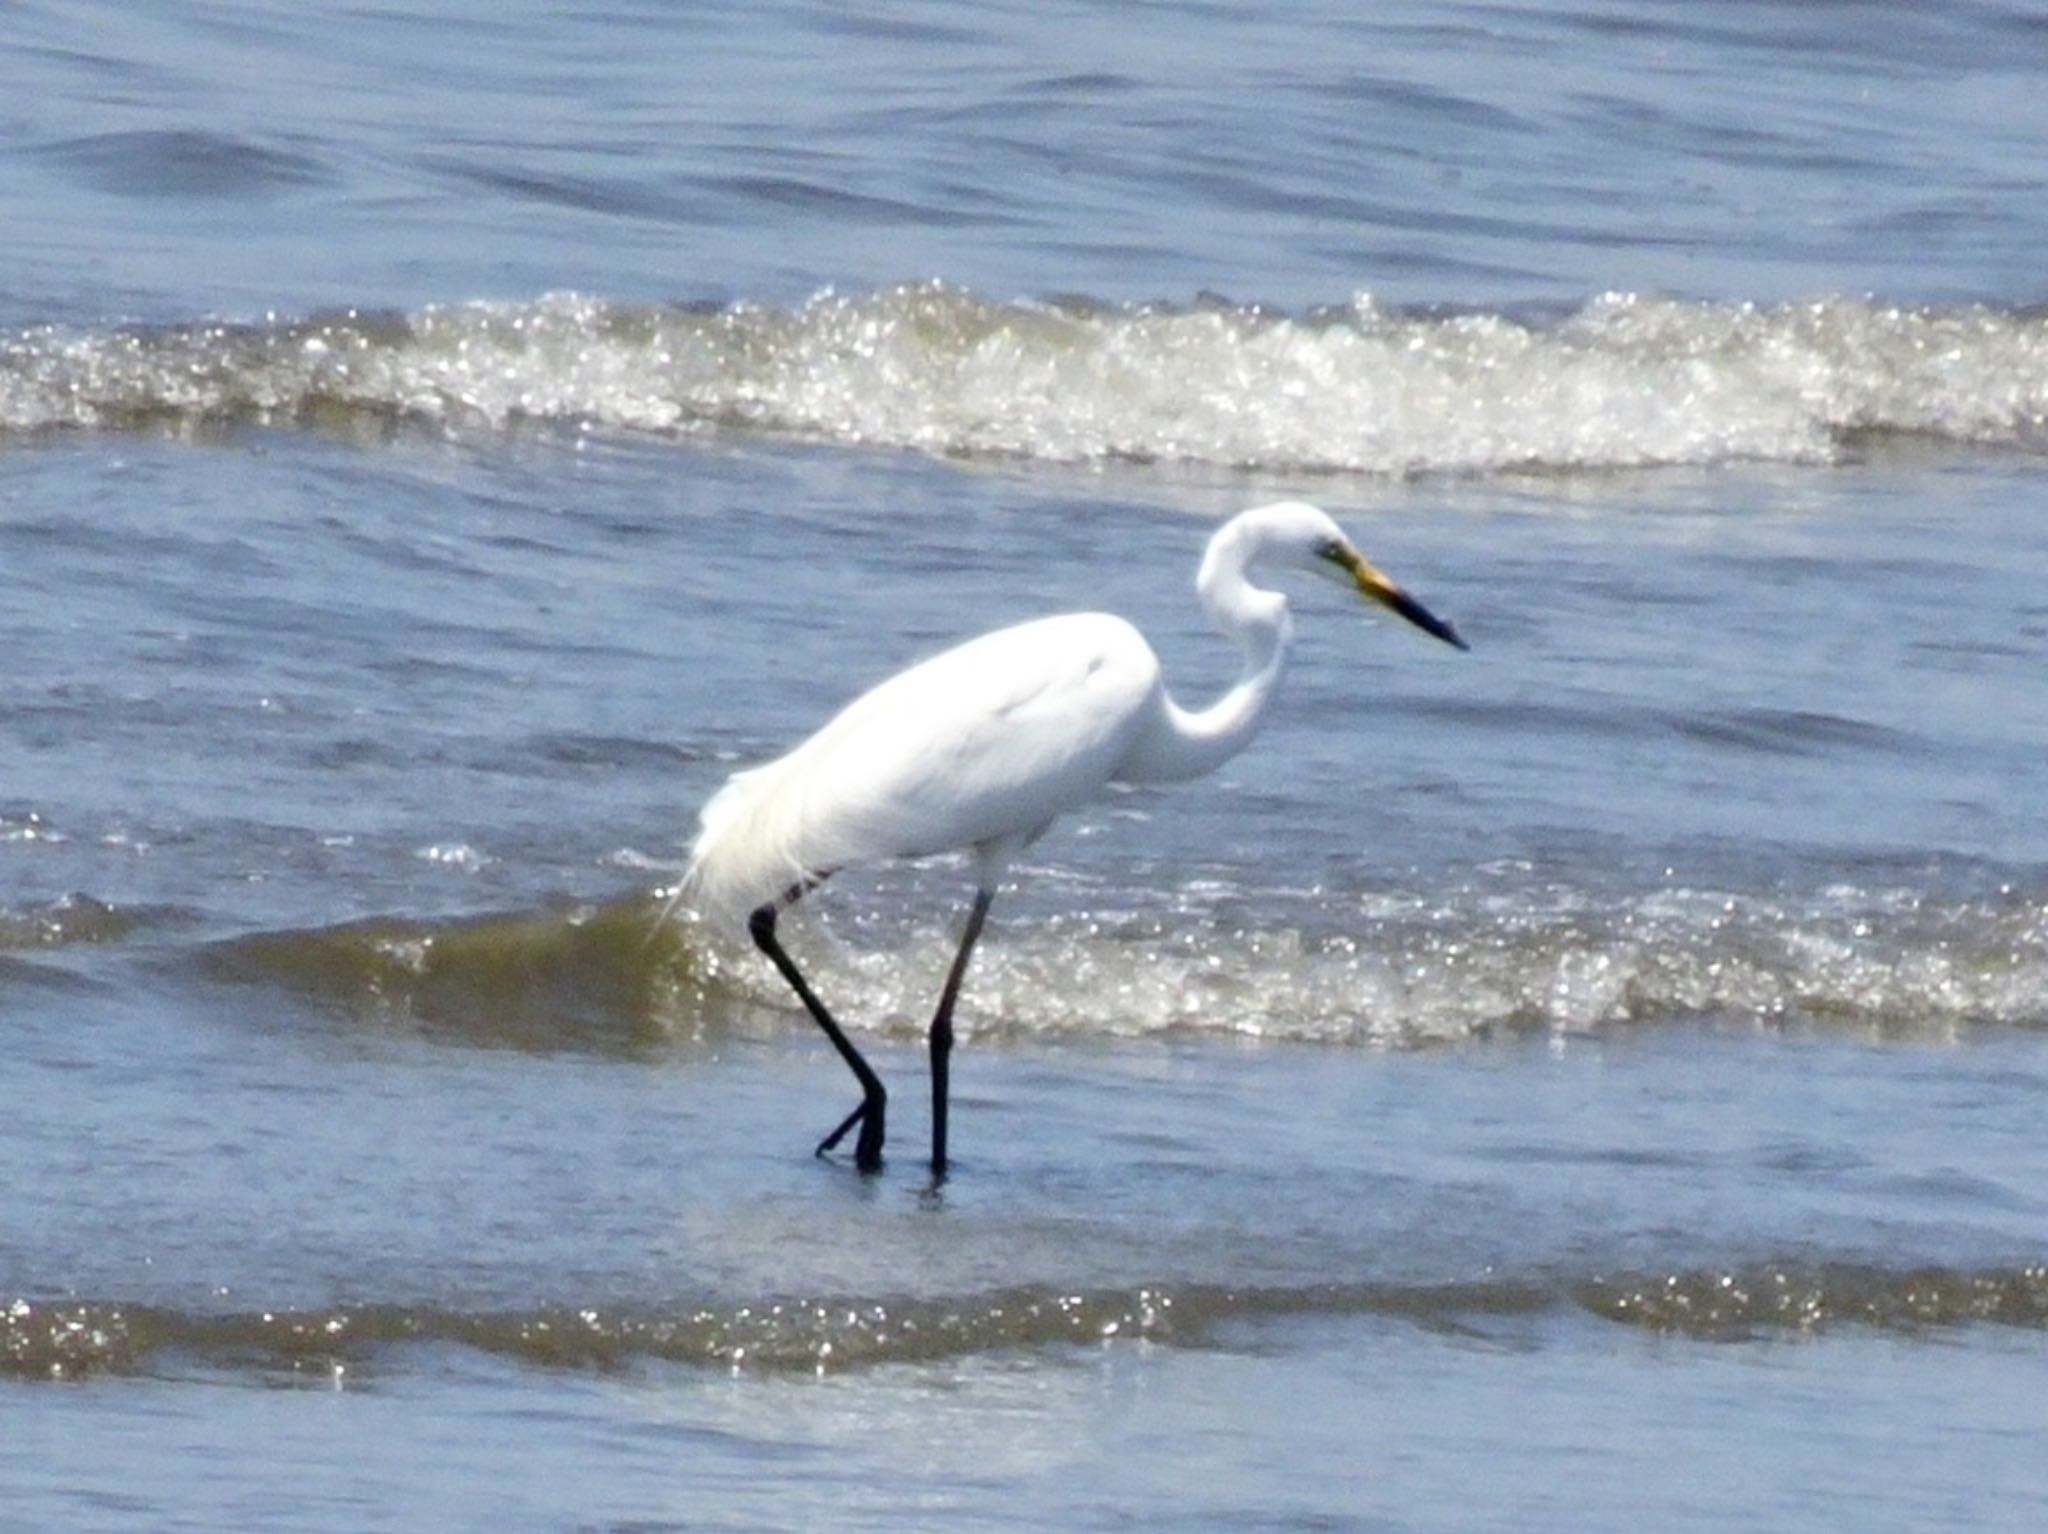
{"type": "Point", "coordinates": [1624, 381]}
{"type": "Point", "coordinates": [1372, 971]}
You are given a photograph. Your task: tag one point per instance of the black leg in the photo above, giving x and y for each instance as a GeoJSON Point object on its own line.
{"type": "Point", "coordinates": [942, 1029]}
{"type": "Point", "coordinates": [873, 1110]}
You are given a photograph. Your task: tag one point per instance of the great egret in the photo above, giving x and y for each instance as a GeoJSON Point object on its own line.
{"type": "Point", "coordinates": [980, 747]}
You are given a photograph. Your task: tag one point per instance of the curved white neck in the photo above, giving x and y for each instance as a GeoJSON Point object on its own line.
{"type": "Point", "coordinates": [1187, 743]}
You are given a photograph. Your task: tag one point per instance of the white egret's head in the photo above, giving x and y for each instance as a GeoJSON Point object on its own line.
{"type": "Point", "coordinates": [1307, 535]}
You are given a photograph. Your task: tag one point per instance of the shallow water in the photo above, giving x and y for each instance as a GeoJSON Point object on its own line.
{"type": "Point", "coordinates": [1588, 1080]}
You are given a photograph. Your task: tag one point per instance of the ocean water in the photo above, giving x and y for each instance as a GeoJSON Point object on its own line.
{"type": "Point", "coordinates": [1591, 1082]}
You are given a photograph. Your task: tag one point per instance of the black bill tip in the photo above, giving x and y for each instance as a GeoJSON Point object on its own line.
{"type": "Point", "coordinates": [1424, 619]}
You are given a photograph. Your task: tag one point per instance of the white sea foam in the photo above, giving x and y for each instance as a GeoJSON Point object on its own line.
{"type": "Point", "coordinates": [1623, 381]}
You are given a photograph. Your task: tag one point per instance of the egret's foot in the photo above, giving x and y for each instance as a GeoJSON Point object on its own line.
{"type": "Point", "coordinates": [867, 1150]}
{"type": "Point", "coordinates": [833, 1139]}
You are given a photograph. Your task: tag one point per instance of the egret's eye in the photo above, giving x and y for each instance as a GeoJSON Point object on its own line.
{"type": "Point", "coordinates": [1331, 550]}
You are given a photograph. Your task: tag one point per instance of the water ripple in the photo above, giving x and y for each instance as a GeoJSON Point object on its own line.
{"type": "Point", "coordinates": [65, 1339]}
{"type": "Point", "coordinates": [183, 163]}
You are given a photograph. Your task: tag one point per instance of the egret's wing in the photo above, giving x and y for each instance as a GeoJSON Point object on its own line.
{"type": "Point", "coordinates": [989, 740]}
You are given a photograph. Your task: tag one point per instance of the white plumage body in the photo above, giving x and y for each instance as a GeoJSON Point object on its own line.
{"type": "Point", "coordinates": [981, 746]}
